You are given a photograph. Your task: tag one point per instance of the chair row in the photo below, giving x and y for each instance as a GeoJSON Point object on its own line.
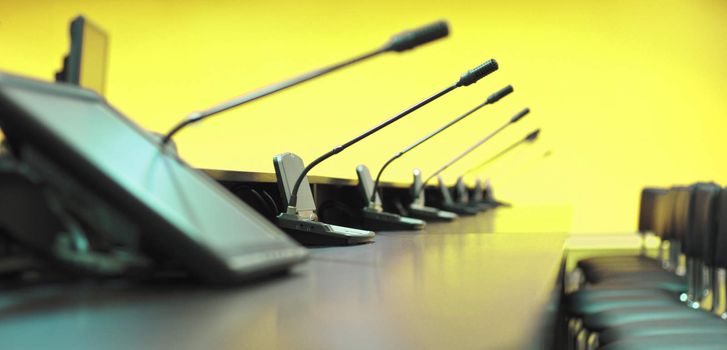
{"type": "Point", "coordinates": [673, 301]}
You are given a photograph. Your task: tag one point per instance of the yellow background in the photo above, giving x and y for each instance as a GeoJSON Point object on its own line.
{"type": "Point", "coordinates": [628, 93]}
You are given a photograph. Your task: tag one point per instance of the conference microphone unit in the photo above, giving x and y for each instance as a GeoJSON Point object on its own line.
{"type": "Point", "coordinates": [302, 223]}
{"type": "Point", "coordinates": [373, 213]}
{"type": "Point", "coordinates": [417, 207]}
{"type": "Point", "coordinates": [373, 216]}
{"type": "Point", "coordinates": [404, 41]}
{"type": "Point", "coordinates": [447, 202]}
{"type": "Point", "coordinates": [487, 195]}
{"type": "Point", "coordinates": [478, 197]}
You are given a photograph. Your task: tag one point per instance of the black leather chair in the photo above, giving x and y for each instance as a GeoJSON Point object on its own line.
{"type": "Point", "coordinates": [666, 326]}
{"type": "Point", "coordinates": [633, 286]}
{"type": "Point", "coordinates": [593, 268]}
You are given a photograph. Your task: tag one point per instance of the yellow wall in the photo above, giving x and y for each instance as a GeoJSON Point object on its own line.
{"type": "Point", "coordinates": [628, 93]}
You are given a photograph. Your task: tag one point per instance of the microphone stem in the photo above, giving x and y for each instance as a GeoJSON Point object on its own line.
{"type": "Point", "coordinates": [419, 142]}
{"type": "Point", "coordinates": [265, 91]}
{"type": "Point", "coordinates": [495, 157]}
{"type": "Point", "coordinates": [472, 148]}
{"type": "Point", "coordinates": [294, 194]}
{"type": "Point", "coordinates": [378, 176]}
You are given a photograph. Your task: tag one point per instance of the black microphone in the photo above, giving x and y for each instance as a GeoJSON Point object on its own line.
{"type": "Point", "coordinates": [401, 42]}
{"type": "Point", "coordinates": [490, 100]}
{"type": "Point", "coordinates": [530, 138]}
{"type": "Point", "coordinates": [512, 120]}
{"type": "Point", "coordinates": [468, 78]}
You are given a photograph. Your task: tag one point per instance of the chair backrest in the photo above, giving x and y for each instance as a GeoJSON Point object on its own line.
{"type": "Point", "coordinates": [647, 208]}
{"type": "Point", "coordinates": [660, 223]}
{"type": "Point", "coordinates": [698, 241]}
{"type": "Point", "coordinates": [667, 214]}
{"type": "Point", "coordinates": [679, 217]}
{"type": "Point", "coordinates": [720, 251]}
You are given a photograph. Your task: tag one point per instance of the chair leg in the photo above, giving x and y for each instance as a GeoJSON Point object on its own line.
{"type": "Point", "coordinates": [592, 343]}
{"type": "Point", "coordinates": [581, 340]}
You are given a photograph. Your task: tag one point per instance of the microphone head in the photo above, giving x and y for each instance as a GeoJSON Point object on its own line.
{"type": "Point", "coordinates": [532, 136]}
{"type": "Point", "coordinates": [473, 75]}
{"type": "Point", "coordinates": [500, 94]}
{"type": "Point", "coordinates": [519, 116]}
{"type": "Point", "coordinates": [412, 38]}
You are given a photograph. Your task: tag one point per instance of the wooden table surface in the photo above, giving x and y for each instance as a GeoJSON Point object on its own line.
{"type": "Point", "coordinates": [483, 282]}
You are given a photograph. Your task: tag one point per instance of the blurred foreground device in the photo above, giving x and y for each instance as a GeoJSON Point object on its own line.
{"type": "Point", "coordinates": [374, 216]}
{"type": "Point", "coordinates": [418, 209]}
{"type": "Point", "coordinates": [106, 178]}
{"type": "Point", "coordinates": [304, 226]}
{"type": "Point", "coordinates": [85, 64]}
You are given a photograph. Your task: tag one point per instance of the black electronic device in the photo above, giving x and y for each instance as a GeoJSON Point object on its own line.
{"type": "Point", "coordinates": [118, 179]}
{"type": "Point", "coordinates": [85, 64]}
{"type": "Point", "coordinates": [418, 208]}
{"type": "Point", "coordinates": [373, 215]}
{"type": "Point", "coordinates": [303, 225]}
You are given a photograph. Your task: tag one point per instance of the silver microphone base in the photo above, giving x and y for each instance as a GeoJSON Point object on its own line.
{"type": "Point", "coordinates": [383, 221]}
{"type": "Point", "coordinates": [315, 233]}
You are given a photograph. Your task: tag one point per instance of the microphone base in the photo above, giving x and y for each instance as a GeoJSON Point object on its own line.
{"type": "Point", "coordinates": [494, 204]}
{"type": "Point", "coordinates": [383, 221]}
{"type": "Point", "coordinates": [460, 209]}
{"type": "Point", "coordinates": [316, 233]}
{"type": "Point", "coordinates": [480, 206]}
{"type": "Point", "coordinates": [430, 214]}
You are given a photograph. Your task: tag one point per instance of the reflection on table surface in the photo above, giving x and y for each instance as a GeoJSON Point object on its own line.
{"type": "Point", "coordinates": [453, 284]}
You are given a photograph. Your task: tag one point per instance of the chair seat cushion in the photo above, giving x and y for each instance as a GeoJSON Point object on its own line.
{"type": "Point", "coordinates": [585, 306]}
{"type": "Point", "coordinates": [677, 285]}
{"type": "Point", "coordinates": [616, 262]}
{"type": "Point", "coordinates": [671, 342]}
{"type": "Point", "coordinates": [622, 316]}
{"type": "Point", "coordinates": [663, 327]}
{"type": "Point", "coordinates": [599, 276]}
{"type": "Point", "coordinates": [595, 294]}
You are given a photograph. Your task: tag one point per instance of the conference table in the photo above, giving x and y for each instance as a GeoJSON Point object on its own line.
{"type": "Point", "coordinates": [481, 282]}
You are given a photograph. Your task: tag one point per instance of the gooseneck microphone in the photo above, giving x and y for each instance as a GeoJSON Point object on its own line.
{"type": "Point", "coordinates": [398, 43]}
{"type": "Point", "coordinates": [530, 138]}
{"type": "Point", "coordinates": [512, 120]}
{"type": "Point", "coordinates": [490, 100]}
{"type": "Point", "coordinates": [468, 78]}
